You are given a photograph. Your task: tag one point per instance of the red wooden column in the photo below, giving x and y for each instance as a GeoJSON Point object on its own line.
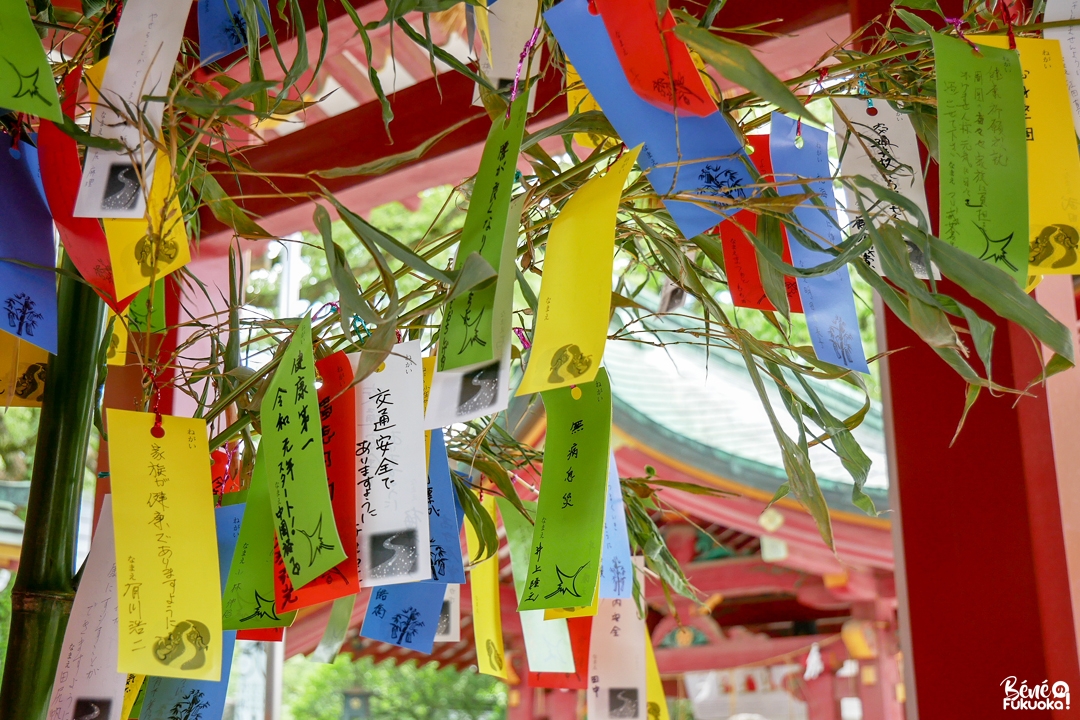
{"type": "Point", "coordinates": [981, 568]}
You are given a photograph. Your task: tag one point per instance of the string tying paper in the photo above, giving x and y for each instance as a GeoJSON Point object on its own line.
{"type": "Point", "coordinates": [521, 63]}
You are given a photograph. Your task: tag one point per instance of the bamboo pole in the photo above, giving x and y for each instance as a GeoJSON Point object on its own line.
{"type": "Point", "coordinates": [44, 587]}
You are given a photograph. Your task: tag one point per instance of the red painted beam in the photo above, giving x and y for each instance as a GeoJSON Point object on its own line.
{"type": "Point", "coordinates": [735, 653]}
{"type": "Point", "coordinates": [357, 137]}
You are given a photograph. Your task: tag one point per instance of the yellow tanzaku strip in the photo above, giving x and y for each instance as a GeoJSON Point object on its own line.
{"type": "Point", "coordinates": [575, 296]}
{"type": "Point", "coordinates": [152, 247]}
{"type": "Point", "coordinates": [487, 617]}
{"type": "Point", "coordinates": [1053, 159]}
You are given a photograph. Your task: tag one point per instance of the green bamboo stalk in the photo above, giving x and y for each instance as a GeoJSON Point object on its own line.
{"type": "Point", "coordinates": [44, 587]}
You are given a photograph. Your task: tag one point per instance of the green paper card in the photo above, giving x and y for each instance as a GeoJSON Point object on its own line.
{"type": "Point", "coordinates": [983, 153]}
{"type": "Point", "coordinates": [569, 531]}
{"type": "Point", "coordinates": [468, 334]}
{"type": "Point", "coordinates": [295, 469]}
{"type": "Point", "coordinates": [26, 81]}
{"type": "Point", "coordinates": [142, 306]}
{"type": "Point", "coordinates": [248, 601]}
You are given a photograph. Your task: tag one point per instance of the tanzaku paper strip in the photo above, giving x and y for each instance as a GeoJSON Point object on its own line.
{"type": "Point", "coordinates": [570, 517]}
{"type": "Point", "coordinates": [982, 150]}
{"type": "Point", "coordinates": [575, 296]}
{"type": "Point", "coordinates": [295, 469]}
{"type": "Point", "coordinates": [26, 81]}
{"type": "Point", "coordinates": [166, 549]}
{"type": "Point", "coordinates": [486, 608]}
{"type": "Point", "coordinates": [828, 300]}
{"type": "Point", "coordinates": [1053, 161]}
{"type": "Point", "coordinates": [468, 333]}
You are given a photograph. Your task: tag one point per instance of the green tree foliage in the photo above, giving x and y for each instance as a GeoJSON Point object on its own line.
{"type": "Point", "coordinates": [313, 691]}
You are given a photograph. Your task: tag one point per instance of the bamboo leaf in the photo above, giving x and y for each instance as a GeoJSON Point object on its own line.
{"type": "Point", "coordinates": [474, 272]}
{"type": "Point", "coordinates": [223, 207]}
{"type": "Point", "coordinates": [738, 64]}
{"type": "Point", "coordinates": [342, 276]}
{"type": "Point", "coordinates": [371, 234]}
{"type": "Point", "coordinates": [386, 164]}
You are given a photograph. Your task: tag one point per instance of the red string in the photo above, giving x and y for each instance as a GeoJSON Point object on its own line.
{"type": "Point", "coordinates": [157, 430]}
{"type": "Point", "coordinates": [956, 23]}
{"type": "Point", "coordinates": [1006, 15]}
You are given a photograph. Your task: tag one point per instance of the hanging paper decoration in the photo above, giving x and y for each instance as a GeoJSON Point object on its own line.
{"type": "Point", "coordinates": [486, 607]}
{"type": "Point", "coordinates": [982, 154]}
{"type": "Point", "coordinates": [86, 680]}
{"type": "Point", "coordinates": [163, 510]}
{"type": "Point", "coordinates": [580, 100]}
{"type": "Point", "coordinates": [292, 442]}
{"type": "Point", "coordinates": [880, 144]}
{"type": "Point", "coordinates": [223, 26]}
{"type": "Point", "coordinates": [828, 300]}
{"type": "Point", "coordinates": [337, 413]}
{"type": "Point", "coordinates": [446, 562]}
{"type": "Point", "coordinates": [566, 613]}
{"type": "Point", "coordinates": [547, 642]}
{"type": "Point", "coordinates": [657, 65]}
{"type": "Point", "coordinates": [165, 697]}
{"type": "Point", "coordinates": [406, 615]}
{"type": "Point", "coordinates": [570, 517]}
{"type": "Point", "coordinates": [28, 299]}
{"type": "Point", "coordinates": [616, 577]}
{"type": "Point", "coordinates": [505, 31]}
{"type": "Point", "coordinates": [84, 239]}
{"type": "Point", "coordinates": [148, 248]}
{"type": "Point", "coordinates": [22, 372]}
{"type": "Point", "coordinates": [132, 691]}
{"type": "Point", "coordinates": [473, 322]}
{"type": "Point", "coordinates": [575, 296]}
{"type": "Point", "coordinates": [26, 80]}
{"type": "Point", "coordinates": [1069, 37]}
{"type": "Point", "coordinates": [392, 529]}
{"type": "Point", "coordinates": [466, 394]}
{"type": "Point", "coordinates": [705, 151]}
{"type": "Point", "coordinates": [144, 52]}
{"type": "Point", "coordinates": [248, 601]}
{"type": "Point", "coordinates": [740, 257]}
{"type": "Point", "coordinates": [656, 700]}
{"type": "Point", "coordinates": [580, 630]}
{"type": "Point", "coordinates": [1053, 162]}
{"type": "Point", "coordinates": [449, 629]}
{"type": "Point", "coordinates": [617, 672]}
{"type": "Point", "coordinates": [146, 314]}
{"type": "Point", "coordinates": [337, 628]}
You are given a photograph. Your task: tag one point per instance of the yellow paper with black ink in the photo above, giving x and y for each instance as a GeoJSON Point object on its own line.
{"type": "Point", "coordinates": [575, 296]}
{"type": "Point", "coordinates": [166, 547]}
{"type": "Point", "coordinates": [1053, 161]}
{"type": "Point", "coordinates": [22, 372]}
{"type": "Point", "coordinates": [580, 100]}
{"type": "Point", "coordinates": [983, 155]}
{"type": "Point", "coordinates": [131, 693]}
{"type": "Point", "coordinates": [569, 530]}
{"type": "Point", "coordinates": [248, 601]}
{"type": "Point", "coordinates": [295, 467]}
{"type": "Point", "coordinates": [656, 700]}
{"type": "Point", "coordinates": [487, 617]}
{"type": "Point", "coordinates": [137, 258]}
{"type": "Point", "coordinates": [573, 612]}
{"type": "Point", "coordinates": [26, 80]}
{"type": "Point", "coordinates": [468, 332]}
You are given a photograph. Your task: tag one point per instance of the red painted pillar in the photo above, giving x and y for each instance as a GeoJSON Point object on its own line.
{"type": "Point", "coordinates": [978, 529]}
{"type": "Point", "coordinates": [563, 705]}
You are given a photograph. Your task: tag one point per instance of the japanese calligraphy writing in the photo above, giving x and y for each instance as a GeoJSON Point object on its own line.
{"type": "Point", "coordinates": [295, 465]}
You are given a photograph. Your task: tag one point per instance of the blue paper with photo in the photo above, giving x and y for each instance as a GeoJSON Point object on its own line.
{"type": "Point", "coordinates": [172, 697]}
{"type": "Point", "coordinates": [616, 569]}
{"type": "Point", "coordinates": [827, 299]}
{"type": "Point", "coordinates": [28, 299]}
{"type": "Point", "coordinates": [406, 615]}
{"type": "Point", "coordinates": [712, 156]}
{"type": "Point", "coordinates": [447, 565]}
{"type": "Point", "coordinates": [223, 29]}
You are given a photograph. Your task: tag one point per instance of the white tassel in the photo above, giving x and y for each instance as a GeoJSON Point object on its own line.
{"type": "Point", "coordinates": [814, 665]}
